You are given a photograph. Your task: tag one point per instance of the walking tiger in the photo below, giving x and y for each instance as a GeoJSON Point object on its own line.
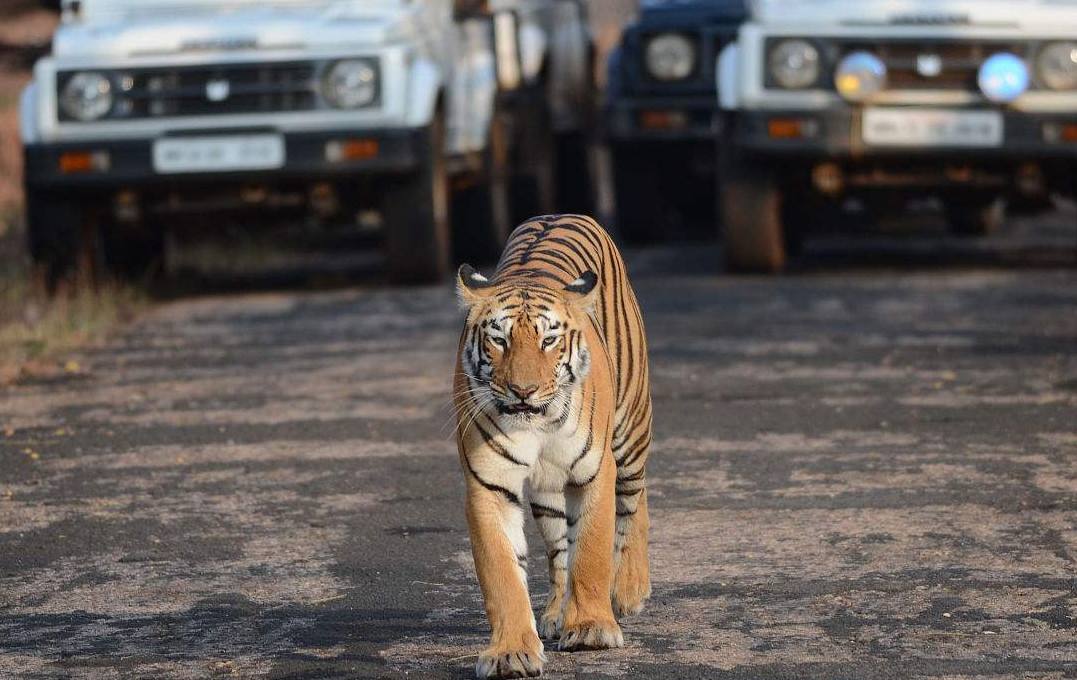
{"type": "Point", "coordinates": [552, 389]}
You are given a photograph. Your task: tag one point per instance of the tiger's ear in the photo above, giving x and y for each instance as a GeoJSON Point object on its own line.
{"type": "Point", "coordinates": [471, 286]}
{"type": "Point", "coordinates": [583, 292]}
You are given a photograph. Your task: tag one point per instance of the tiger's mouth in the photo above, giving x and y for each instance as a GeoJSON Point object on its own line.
{"type": "Point", "coordinates": [520, 408]}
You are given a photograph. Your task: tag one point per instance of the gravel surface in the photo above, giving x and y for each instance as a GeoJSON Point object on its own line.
{"type": "Point", "coordinates": [859, 472]}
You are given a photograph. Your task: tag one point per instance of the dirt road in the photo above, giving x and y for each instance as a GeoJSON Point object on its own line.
{"type": "Point", "coordinates": [859, 472]}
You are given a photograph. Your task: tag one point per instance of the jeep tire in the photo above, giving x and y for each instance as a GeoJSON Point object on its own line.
{"type": "Point", "coordinates": [417, 247]}
{"type": "Point", "coordinates": [481, 211]}
{"type": "Point", "coordinates": [55, 233]}
{"type": "Point", "coordinates": [575, 180]}
{"type": "Point", "coordinates": [636, 195]}
{"type": "Point", "coordinates": [972, 215]}
{"type": "Point", "coordinates": [750, 208]}
{"type": "Point", "coordinates": [532, 187]}
{"type": "Point", "coordinates": [132, 252]}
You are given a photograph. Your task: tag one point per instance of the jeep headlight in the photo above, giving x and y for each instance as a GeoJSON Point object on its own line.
{"type": "Point", "coordinates": [794, 64]}
{"type": "Point", "coordinates": [670, 56]}
{"type": "Point", "coordinates": [86, 96]}
{"type": "Point", "coordinates": [351, 83]}
{"type": "Point", "coordinates": [1056, 65]}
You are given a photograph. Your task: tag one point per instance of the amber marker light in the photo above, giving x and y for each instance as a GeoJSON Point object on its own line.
{"type": "Point", "coordinates": [75, 162]}
{"type": "Point", "coordinates": [662, 120]}
{"type": "Point", "coordinates": [351, 150]}
{"type": "Point", "coordinates": [785, 128]}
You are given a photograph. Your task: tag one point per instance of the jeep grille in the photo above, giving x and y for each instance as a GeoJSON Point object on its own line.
{"type": "Point", "coordinates": [218, 89]}
{"type": "Point", "coordinates": [960, 62]}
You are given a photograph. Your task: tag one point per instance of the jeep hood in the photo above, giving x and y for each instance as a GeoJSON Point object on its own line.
{"type": "Point", "coordinates": [1010, 13]}
{"type": "Point", "coordinates": [123, 28]}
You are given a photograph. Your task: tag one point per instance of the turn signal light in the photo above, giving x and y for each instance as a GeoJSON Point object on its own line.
{"type": "Point", "coordinates": [351, 150]}
{"type": "Point", "coordinates": [662, 120]}
{"type": "Point", "coordinates": [73, 162]}
{"type": "Point", "coordinates": [791, 128]}
{"type": "Point", "coordinates": [1060, 132]}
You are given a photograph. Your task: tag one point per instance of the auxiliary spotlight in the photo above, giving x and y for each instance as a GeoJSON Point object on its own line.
{"type": "Point", "coordinates": [1004, 77]}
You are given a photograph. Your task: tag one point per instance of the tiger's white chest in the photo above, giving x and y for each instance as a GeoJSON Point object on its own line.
{"type": "Point", "coordinates": [550, 455]}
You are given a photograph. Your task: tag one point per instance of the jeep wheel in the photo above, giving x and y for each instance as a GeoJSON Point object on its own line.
{"type": "Point", "coordinates": [54, 232]}
{"type": "Point", "coordinates": [637, 196]}
{"type": "Point", "coordinates": [132, 252]}
{"type": "Point", "coordinates": [975, 215]}
{"type": "Point", "coordinates": [750, 206]}
{"type": "Point", "coordinates": [533, 172]}
{"type": "Point", "coordinates": [481, 209]}
{"type": "Point", "coordinates": [575, 181]}
{"type": "Point", "coordinates": [417, 215]}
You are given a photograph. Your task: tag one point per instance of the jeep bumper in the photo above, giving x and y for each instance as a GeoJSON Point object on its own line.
{"type": "Point", "coordinates": [308, 156]}
{"type": "Point", "coordinates": [837, 134]}
{"type": "Point", "coordinates": [663, 118]}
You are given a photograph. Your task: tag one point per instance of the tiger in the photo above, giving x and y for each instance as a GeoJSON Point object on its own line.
{"type": "Point", "coordinates": [552, 390]}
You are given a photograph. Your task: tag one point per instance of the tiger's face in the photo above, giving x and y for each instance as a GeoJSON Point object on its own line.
{"type": "Point", "coordinates": [524, 347]}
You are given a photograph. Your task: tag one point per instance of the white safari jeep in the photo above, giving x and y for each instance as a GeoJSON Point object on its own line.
{"type": "Point", "coordinates": [449, 119]}
{"type": "Point", "coordinates": [967, 101]}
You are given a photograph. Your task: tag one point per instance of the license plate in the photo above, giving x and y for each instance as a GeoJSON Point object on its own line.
{"type": "Point", "coordinates": [218, 154]}
{"type": "Point", "coordinates": [936, 127]}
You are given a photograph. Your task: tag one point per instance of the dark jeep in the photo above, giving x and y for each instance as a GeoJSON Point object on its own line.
{"type": "Point", "coordinates": [662, 114]}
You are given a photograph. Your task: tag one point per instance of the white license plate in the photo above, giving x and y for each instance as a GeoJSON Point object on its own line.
{"type": "Point", "coordinates": [218, 154]}
{"type": "Point", "coordinates": [936, 127]}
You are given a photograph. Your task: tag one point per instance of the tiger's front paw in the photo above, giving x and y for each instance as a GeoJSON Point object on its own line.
{"type": "Point", "coordinates": [592, 635]}
{"type": "Point", "coordinates": [549, 626]}
{"type": "Point", "coordinates": [518, 663]}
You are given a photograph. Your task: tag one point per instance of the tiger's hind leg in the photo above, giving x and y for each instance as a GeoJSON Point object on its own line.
{"type": "Point", "coordinates": [548, 510]}
{"type": "Point", "coordinates": [632, 580]}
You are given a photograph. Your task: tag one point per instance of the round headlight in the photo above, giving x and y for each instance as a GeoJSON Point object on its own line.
{"type": "Point", "coordinates": [859, 76]}
{"type": "Point", "coordinates": [86, 96]}
{"type": "Point", "coordinates": [794, 64]}
{"type": "Point", "coordinates": [1004, 77]}
{"type": "Point", "coordinates": [351, 83]}
{"type": "Point", "coordinates": [670, 56]}
{"type": "Point", "coordinates": [1057, 65]}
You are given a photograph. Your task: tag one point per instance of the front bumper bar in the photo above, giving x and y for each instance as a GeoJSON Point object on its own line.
{"type": "Point", "coordinates": [130, 162]}
{"type": "Point", "coordinates": [662, 118]}
{"type": "Point", "coordinates": [838, 134]}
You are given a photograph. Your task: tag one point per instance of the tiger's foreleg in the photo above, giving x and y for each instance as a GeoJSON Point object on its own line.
{"type": "Point", "coordinates": [495, 523]}
{"type": "Point", "coordinates": [548, 510]}
{"type": "Point", "coordinates": [588, 614]}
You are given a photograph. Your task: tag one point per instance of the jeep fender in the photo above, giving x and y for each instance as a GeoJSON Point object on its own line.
{"type": "Point", "coordinates": [28, 132]}
{"type": "Point", "coordinates": [424, 88]}
{"type": "Point", "coordinates": [727, 77]}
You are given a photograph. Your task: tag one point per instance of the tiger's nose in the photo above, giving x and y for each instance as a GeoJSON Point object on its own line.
{"type": "Point", "coordinates": [523, 391]}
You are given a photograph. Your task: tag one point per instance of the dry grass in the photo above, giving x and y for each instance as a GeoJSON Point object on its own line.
{"type": "Point", "coordinates": [39, 332]}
